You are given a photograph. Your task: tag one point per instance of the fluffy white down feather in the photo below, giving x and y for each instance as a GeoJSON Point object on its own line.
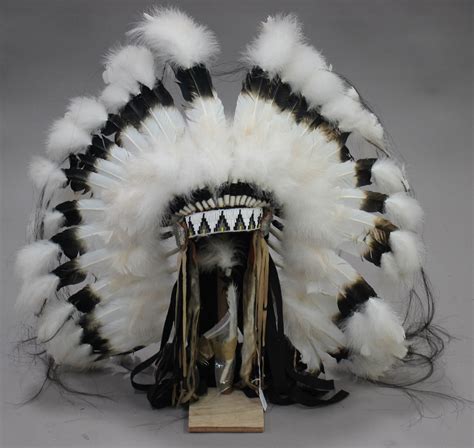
{"type": "Point", "coordinates": [128, 67]}
{"type": "Point", "coordinates": [114, 97]}
{"type": "Point", "coordinates": [404, 211]}
{"type": "Point", "coordinates": [306, 64]}
{"type": "Point", "coordinates": [66, 348]}
{"type": "Point", "coordinates": [388, 176]}
{"type": "Point", "coordinates": [65, 138]}
{"type": "Point", "coordinates": [37, 258]}
{"type": "Point", "coordinates": [34, 292]}
{"type": "Point", "coordinates": [274, 46]}
{"type": "Point", "coordinates": [44, 172]}
{"type": "Point", "coordinates": [87, 113]}
{"type": "Point", "coordinates": [407, 249]}
{"type": "Point", "coordinates": [52, 222]}
{"type": "Point", "coordinates": [375, 339]}
{"type": "Point", "coordinates": [54, 317]}
{"type": "Point", "coordinates": [176, 38]}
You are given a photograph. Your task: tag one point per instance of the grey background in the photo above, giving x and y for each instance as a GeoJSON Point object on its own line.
{"type": "Point", "coordinates": [412, 60]}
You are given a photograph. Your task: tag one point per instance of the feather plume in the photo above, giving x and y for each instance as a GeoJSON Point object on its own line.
{"type": "Point", "coordinates": [176, 38]}
{"type": "Point", "coordinates": [404, 211]}
{"type": "Point", "coordinates": [45, 173]}
{"type": "Point", "coordinates": [128, 67]}
{"type": "Point", "coordinates": [65, 138]}
{"type": "Point", "coordinates": [375, 339]}
{"type": "Point", "coordinates": [274, 46]}
{"type": "Point", "coordinates": [53, 319]}
{"type": "Point", "coordinates": [35, 292]}
{"type": "Point", "coordinates": [37, 258]}
{"type": "Point", "coordinates": [388, 176]}
{"type": "Point", "coordinates": [87, 113]}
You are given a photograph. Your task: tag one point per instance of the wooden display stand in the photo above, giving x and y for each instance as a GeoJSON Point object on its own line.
{"type": "Point", "coordinates": [234, 412]}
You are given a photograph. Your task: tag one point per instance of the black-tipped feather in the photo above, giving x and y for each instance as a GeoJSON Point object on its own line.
{"type": "Point", "coordinates": [258, 83]}
{"type": "Point", "coordinates": [378, 241]}
{"type": "Point", "coordinates": [194, 82]}
{"type": "Point", "coordinates": [69, 242]}
{"type": "Point", "coordinates": [71, 213]}
{"type": "Point", "coordinates": [374, 202]}
{"type": "Point", "coordinates": [77, 179]}
{"type": "Point", "coordinates": [353, 295]}
{"type": "Point", "coordinates": [91, 335]}
{"type": "Point", "coordinates": [69, 273]}
{"type": "Point", "coordinates": [363, 171]}
{"type": "Point", "coordinates": [85, 299]}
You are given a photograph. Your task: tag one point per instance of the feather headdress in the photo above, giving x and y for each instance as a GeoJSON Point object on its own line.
{"type": "Point", "coordinates": [226, 240]}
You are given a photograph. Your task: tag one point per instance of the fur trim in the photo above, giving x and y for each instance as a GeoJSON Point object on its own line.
{"type": "Point", "coordinates": [375, 339]}
{"type": "Point", "coordinates": [176, 38]}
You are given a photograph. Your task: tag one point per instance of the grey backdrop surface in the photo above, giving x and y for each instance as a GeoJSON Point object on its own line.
{"type": "Point", "coordinates": [412, 60]}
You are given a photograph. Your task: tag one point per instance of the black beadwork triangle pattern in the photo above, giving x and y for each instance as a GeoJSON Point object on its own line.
{"type": "Point", "coordinates": [239, 222]}
{"type": "Point", "coordinates": [191, 229]}
{"type": "Point", "coordinates": [252, 224]}
{"type": "Point", "coordinates": [222, 225]}
{"type": "Point", "coordinates": [204, 227]}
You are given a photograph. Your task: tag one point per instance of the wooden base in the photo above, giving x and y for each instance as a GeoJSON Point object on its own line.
{"type": "Point", "coordinates": [234, 412]}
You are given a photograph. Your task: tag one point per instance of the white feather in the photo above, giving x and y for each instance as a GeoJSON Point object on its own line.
{"type": "Point", "coordinates": [321, 88]}
{"type": "Point", "coordinates": [128, 67]}
{"type": "Point", "coordinates": [34, 292]}
{"type": "Point", "coordinates": [375, 339]}
{"type": "Point", "coordinates": [311, 332]}
{"type": "Point", "coordinates": [404, 211]}
{"type": "Point", "coordinates": [44, 172]}
{"type": "Point", "coordinates": [87, 113]}
{"type": "Point", "coordinates": [305, 63]}
{"type": "Point", "coordinates": [350, 115]}
{"type": "Point", "coordinates": [176, 38]}
{"type": "Point", "coordinates": [66, 347]}
{"type": "Point", "coordinates": [274, 46]}
{"type": "Point", "coordinates": [52, 222]}
{"type": "Point", "coordinates": [54, 317]}
{"type": "Point", "coordinates": [93, 235]}
{"type": "Point", "coordinates": [388, 176]}
{"type": "Point", "coordinates": [407, 250]}
{"type": "Point", "coordinates": [80, 357]}
{"type": "Point", "coordinates": [37, 258]}
{"type": "Point", "coordinates": [65, 138]}
{"type": "Point", "coordinates": [114, 97]}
